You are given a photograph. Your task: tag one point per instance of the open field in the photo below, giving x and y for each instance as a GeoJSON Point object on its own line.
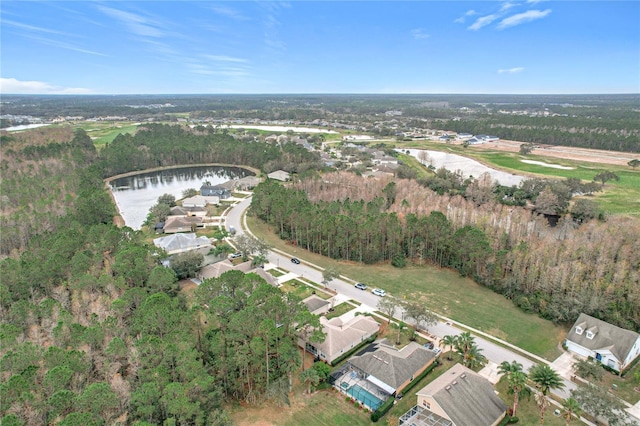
{"type": "Point", "coordinates": [617, 197]}
{"type": "Point", "coordinates": [446, 293]}
{"type": "Point", "coordinates": [104, 132]}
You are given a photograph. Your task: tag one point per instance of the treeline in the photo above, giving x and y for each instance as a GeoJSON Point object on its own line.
{"type": "Point", "coordinates": [46, 175]}
{"type": "Point", "coordinates": [158, 145]}
{"type": "Point", "coordinates": [608, 133]}
{"type": "Point", "coordinates": [557, 272]}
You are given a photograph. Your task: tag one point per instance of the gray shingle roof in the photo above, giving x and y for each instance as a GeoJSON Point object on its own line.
{"type": "Point", "coordinates": [467, 398]}
{"type": "Point", "coordinates": [393, 366]}
{"type": "Point", "coordinates": [617, 340]}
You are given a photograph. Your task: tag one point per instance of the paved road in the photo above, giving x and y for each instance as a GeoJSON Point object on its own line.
{"type": "Point", "coordinates": [495, 353]}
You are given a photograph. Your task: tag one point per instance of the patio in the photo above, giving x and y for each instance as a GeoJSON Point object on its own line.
{"type": "Point", "coordinates": [357, 385]}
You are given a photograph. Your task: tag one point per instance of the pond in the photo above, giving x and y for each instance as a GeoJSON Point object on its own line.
{"type": "Point", "coordinates": [136, 194]}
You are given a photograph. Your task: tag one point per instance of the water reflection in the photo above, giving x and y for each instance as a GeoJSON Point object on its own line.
{"type": "Point", "coordinates": [134, 195]}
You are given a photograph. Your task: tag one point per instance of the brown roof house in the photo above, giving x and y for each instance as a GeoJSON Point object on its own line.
{"type": "Point", "coordinates": [613, 346]}
{"type": "Point", "coordinates": [214, 270]}
{"type": "Point", "coordinates": [341, 336]}
{"type": "Point", "coordinates": [175, 224]}
{"type": "Point", "coordinates": [380, 371]}
{"type": "Point", "coordinates": [459, 397]}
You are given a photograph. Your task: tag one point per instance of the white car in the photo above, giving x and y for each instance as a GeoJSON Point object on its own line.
{"type": "Point", "coordinates": [379, 292]}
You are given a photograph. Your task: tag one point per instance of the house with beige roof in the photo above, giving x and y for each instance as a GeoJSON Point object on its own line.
{"type": "Point", "coordinates": [608, 344]}
{"type": "Point", "coordinates": [215, 270]}
{"type": "Point", "coordinates": [342, 336]}
{"type": "Point", "coordinates": [459, 397]}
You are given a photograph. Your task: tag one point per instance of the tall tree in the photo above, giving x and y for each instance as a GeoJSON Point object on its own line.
{"type": "Point", "coordinates": [516, 379]}
{"type": "Point", "coordinates": [546, 379]}
{"type": "Point", "coordinates": [570, 408]}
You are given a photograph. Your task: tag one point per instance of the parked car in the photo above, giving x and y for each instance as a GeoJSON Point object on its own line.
{"type": "Point", "coordinates": [235, 255]}
{"type": "Point", "coordinates": [295, 260]}
{"type": "Point", "coordinates": [361, 286]}
{"type": "Point", "coordinates": [428, 345]}
{"type": "Point", "coordinates": [379, 292]}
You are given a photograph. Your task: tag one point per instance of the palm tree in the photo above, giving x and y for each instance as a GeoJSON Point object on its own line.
{"type": "Point", "coordinates": [570, 407]}
{"type": "Point", "coordinates": [464, 342]}
{"type": "Point", "coordinates": [508, 368]}
{"type": "Point", "coordinates": [546, 379]}
{"type": "Point", "coordinates": [473, 358]}
{"type": "Point", "coordinates": [311, 378]}
{"type": "Point", "coordinates": [518, 387]}
{"type": "Point", "coordinates": [448, 340]}
{"type": "Point", "coordinates": [516, 379]}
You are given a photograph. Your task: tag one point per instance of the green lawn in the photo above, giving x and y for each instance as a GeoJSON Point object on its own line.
{"type": "Point", "coordinates": [618, 197]}
{"type": "Point", "coordinates": [528, 412]}
{"type": "Point", "coordinates": [446, 293]}
{"type": "Point", "coordinates": [329, 408]}
{"type": "Point", "coordinates": [340, 309]}
{"type": "Point", "coordinates": [103, 133]}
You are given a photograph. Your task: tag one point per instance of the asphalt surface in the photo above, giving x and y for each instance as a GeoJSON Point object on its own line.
{"type": "Point", "coordinates": [495, 353]}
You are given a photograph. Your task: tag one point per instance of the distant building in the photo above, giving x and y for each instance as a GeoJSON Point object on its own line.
{"type": "Point", "coordinates": [280, 175]}
{"type": "Point", "coordinates": [216, 191]}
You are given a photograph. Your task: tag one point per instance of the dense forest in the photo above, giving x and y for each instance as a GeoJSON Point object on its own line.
{"type": "Point", "coordinates": [45, 178]}
{"type": "Point", "coordinates": [160, 145]}
{"type": "Point", "coordinates": [94, 331]}
{"type": "Point", "coordinates": [591, 267]}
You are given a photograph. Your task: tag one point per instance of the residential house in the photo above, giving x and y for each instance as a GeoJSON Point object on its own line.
{"type": "Point", "coordinates": [187, 211]}
{"type": "Point", "coordinates": [280, 175]}
{"type": "Point", "coordinates": [200, 201]}
{"type": "Point", "coordinates": [341, 336]}
{"type": "Point", "coordinates": [180, 243]}
{"type": "Point", "coordinates": [317, 305]}
{"type": "Point", "coordinates": [214, 270]}
{"type": "Point", "coordinates": [459, 397]}
{"type": "Point", "coordinates": [175, 224]}
{"type": "Point", "coordinates": [380, 371]}
{"type": "Point", "coordinates": [216, 191]}
{"type": "Point", "coordinates": [248, 182]}
{"type": "Point", "coordinates": [613, 346]}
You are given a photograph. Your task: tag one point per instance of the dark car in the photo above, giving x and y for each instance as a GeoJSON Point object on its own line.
{"type": "Point", "coordinates": [361, 286]}
{"type": "Point", "coordinates": [295, 260]}
{"type": "Point", "coordinates": [428, 345]}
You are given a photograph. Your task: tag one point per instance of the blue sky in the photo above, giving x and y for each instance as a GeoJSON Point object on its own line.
{"type": "Point", "coordinates": [168, 47]}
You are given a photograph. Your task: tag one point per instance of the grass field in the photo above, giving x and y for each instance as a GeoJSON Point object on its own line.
{"type": "Point", "coordinates": [446, 293]}
{"type": "Point", "coordinates": [104, 132]}
{"type": "Point", "coordinates": [528, 412]}
{"type": "Point", "coordinates": [617, 197]}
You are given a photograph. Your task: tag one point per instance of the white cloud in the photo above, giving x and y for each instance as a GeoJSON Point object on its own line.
{"type": "Point", "coordinates": [228, 12]}
{"type": "Point", "coordinates": [506, 6]}
{"type": "Point", "coordinates": [32, 87]}
{"type": "Point", "coordinates": [521, 18]}
{"type": "Point", "coordinates": [224, 58]}
{"type": "Point", "coordinates": [30, 28]}
{"type": "Point", "coordinates": [136, 24]}
{"type": "Point", "coordinates": [461, 19]}
{"type": "Point", "coordinates": [514, 70]}
{"type": "Point", "coordinates": [418, 34]}
{"type": "Point", "coordinates": [483, 21]}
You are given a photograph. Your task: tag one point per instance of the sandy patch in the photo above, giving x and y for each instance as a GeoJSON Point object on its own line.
{"type": "Point", "coordinates": [543, 164]}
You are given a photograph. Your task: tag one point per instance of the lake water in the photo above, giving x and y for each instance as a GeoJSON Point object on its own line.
{"type": "Point", "coordinates": [136, 194]}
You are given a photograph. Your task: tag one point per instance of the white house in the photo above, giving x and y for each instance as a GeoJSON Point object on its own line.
{"type": "Point", "coordinates": [180, 243]}
{"type": "Point", "coordinates": [613, 346]}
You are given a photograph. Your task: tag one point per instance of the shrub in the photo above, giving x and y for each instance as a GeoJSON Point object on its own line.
{"type": "Point", "coordinates": [514, 419]}
{"type": "Point", "coordinates": [375, 416]}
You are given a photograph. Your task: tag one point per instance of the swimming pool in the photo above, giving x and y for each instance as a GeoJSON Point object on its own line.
{"type": "Point", "coordinates": [365, 397]}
